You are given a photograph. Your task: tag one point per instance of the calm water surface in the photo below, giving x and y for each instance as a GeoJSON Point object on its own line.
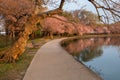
{"type": "Point", "coordinates": [102, 55]}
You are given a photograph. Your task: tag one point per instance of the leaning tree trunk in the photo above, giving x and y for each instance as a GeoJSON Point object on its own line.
{"type": "Point", "coordinates": [18, 48]}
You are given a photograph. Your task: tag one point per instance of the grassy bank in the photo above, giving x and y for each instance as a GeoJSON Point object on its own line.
{"type": "Point", "coordinates": [16, 71]}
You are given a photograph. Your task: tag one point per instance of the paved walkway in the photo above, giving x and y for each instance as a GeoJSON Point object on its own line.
{"type": "Point", "coordinates": [52, 62]}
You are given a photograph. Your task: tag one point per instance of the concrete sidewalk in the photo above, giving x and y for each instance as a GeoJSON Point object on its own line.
{"type": "Point", "coordinates": [52, 62]}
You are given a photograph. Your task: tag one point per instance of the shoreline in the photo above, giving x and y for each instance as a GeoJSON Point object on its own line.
{"type": "Point", "coordinates": [52, 62]}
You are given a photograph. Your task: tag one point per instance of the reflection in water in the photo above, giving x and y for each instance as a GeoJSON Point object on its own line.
{"type": "Point", "coordinates": [89, 53]}
{"type": "Point", "coordinates": [102, 55]}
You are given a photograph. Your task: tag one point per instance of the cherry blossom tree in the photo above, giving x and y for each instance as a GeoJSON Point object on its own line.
{"type": "Point", "coordinates": [22, 14]}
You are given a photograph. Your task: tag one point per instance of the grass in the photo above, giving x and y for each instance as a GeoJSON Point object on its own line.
{"type": "Point", "coordinates": [16, 71]}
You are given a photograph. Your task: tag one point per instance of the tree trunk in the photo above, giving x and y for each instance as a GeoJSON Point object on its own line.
{"type": "Point", "coordinates": [51, 35]}
{"type": "Point", "coordinates": [12, 54]}
{"type": "Point", "coordinates": [18, 48]}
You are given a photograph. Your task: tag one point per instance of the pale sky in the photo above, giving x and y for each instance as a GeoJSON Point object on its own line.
{"type": "Point", "coordinates": [71, 6]}
{"type": "Point", "coordinates": [77, 5]}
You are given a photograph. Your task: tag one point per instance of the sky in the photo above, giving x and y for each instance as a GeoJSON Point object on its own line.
{"type": "Point", "coordinates": [71, 6]}
{"type": "Point", "coordinates": [80, 3]}
{"type": "Point", "coordinates": [77, 5]}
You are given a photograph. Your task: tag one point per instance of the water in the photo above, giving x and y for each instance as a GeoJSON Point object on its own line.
{"type": "Point", "coordinates": [102, 55]}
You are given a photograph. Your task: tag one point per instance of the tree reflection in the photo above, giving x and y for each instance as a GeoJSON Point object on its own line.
{"type": "Point", "coordinates": [89, 53]}
{"type": "Point", "coordinates": [87, 49]}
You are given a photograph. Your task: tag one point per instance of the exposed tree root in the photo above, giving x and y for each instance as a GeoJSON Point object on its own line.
{"type": "Point", "coordinates": [6, 57]}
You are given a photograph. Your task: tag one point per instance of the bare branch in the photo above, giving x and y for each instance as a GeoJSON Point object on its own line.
{"type": "Point", "coordinates": [61, 4]}
{"type": "Point", "coordinates": [52, 12]}
{"type": "Point", "coordinates": [109, 8]}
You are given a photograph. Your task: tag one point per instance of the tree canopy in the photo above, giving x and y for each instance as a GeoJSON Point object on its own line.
{"type": "Point", "coordinates": [20, 14]}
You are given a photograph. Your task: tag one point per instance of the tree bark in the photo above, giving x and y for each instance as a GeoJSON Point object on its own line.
{"type": "Point", "coordinates": [18, 48]}
{"type": "Point", "coordinates": [13, 53]}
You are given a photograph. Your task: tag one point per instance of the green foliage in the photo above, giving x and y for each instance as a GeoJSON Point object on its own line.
{"type": "Point", "coordinates": [38, 33]}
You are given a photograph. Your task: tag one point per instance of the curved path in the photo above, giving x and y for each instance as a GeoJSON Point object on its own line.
{"type": "Point", "coordinates": [52, 62]}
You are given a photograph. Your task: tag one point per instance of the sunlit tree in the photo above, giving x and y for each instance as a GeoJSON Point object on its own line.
{"type": "Point", "coordinates": [22, 15]}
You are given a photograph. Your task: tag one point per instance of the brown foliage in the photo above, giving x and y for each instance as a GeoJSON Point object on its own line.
{"type": "Point", "coordinates": [16, 8]}
{"type": "Point", "coordinates": [19, 14]}
{"type": "Point", "coordinates": [16, 12]}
